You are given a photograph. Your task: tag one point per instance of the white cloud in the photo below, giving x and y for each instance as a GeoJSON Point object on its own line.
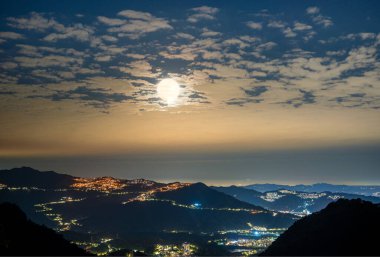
{"type": "Point", "coordinates": [136, 15]}
{"type": "Point", "coordinates": [139, 69]}
{"type": "Point", "coordinates": [187, 55]}
{"type": "Point", "coordinates": [200, 16]}
{"type": "Point", "coordinates": [312, 10]}
{"type": "Point", "coordinates": [136, 24]}
{"type": "Point", "coordinates": [365, 36]}
{"type": "Point", "coordinates": [288, 32]}
{"type": "Point", "coordinates": [323, 20]}
{"type": "Point", "coordinates": [318, 18]}
{"type": "Point", "coordinates": [276, 24]}
{"type": "Point", "coordinates": [35, 22]}
{"type": "Point", "coordinates": [266, 46]}
{"type": "Point", "coordinates": [28, 50]}
{"type": "Point", "coordinates": [298, 26]}
{"type": "Point", "coordinates": [184, 36]}
{"type": "Point", "coordinates": [235, 41]}
{"type": "Point", "coordinates": [8, 65]}
{"type": "Point", "coordinates": [11, 35]}
{"type": "Point", "coordinates": [362, 36]}
{"type": "Point", "coordinates": [206, 9]}
{"type": "Point", "coordinates": [336, 53]}
{"type": "Point", "coordinates": [136, 56]}
{"type": "Point", "coordinates": [257, 74]}
{"type": "Point", "coordinates": [110, 21]}
{"type": "Point", "coordinates": [254, 25]}
{"type": "Point", "coordinates": [47, 61]}
{"type": "Point", "coordinates": [212, 55]}
{"type": "Point", "coordinates": [224, 71]}
{"type": "Point", "coordinates": [5, 79]}
{"type": "Point", "coordinates": [250, 39]}
{"type": "Point", "coordinates": [209, 33]}
{"type": "Point", "coordinates": [78, 32]}
{"type": "Point", "coordinates": [38, 22]}
{"type": "Point", "coordinates": [109, 38]}
{"type": "Point", "coordinates": [103, 58]}
{"type": "Point", "coordinates": [112, 49]}
{"type": "Point", "coordinates": [45, 74]}
{"type": "Point", "coordinates": [202, 13]}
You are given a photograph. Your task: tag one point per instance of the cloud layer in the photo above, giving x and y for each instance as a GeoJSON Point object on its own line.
{"type": "Point", "coordinates": [261, 58]}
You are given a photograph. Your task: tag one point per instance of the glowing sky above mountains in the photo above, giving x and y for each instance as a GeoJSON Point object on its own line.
{"type": "Point", "coordinates": [156, 88]}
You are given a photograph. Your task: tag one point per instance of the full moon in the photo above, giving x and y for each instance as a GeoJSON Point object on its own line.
{"type": "Point", "coordinates": [168, 90]}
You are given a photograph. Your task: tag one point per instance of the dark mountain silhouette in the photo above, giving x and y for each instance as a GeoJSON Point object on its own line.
{"type": "Point", "coordinates": [243, 194]}
{"type": "Point", "coordinates": [126, 216]}
{"type": "Point", "coordinates": [344, 227]}
{"type": "Point", "coordinates": [320, 187]}
{"type": "Point", "coordinates": [20, 236]}
{"type": "Point", "coordinates": [29, 177]}
{"type": "Point", "coordinates": [207, 197]}
{"type": "Point", "coordinates": [289, 200]}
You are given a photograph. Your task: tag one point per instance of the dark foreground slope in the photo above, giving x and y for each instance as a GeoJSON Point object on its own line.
{"type": "Point", "coordinates": [20, 236]}
{"type": "Point", "coordinates": [345, 227]}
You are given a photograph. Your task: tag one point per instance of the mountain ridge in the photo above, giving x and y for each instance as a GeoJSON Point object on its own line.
{"type": "Point", "coordinates": [370, 190]}
{"type": "Point", "coordinates": [27, 176]}
{"type": "Point", "coordinates": [290, 200]}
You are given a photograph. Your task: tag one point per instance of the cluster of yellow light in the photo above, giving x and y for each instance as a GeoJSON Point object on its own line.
{"type": "Point", "coordinates": [257, 243]}
{"type": "Point", "coordinates": [5, 187]}
{"type": "Point", "coordinates": [93, 247]}
{"type": "Point", "coordinates": [141, 181]}
{"type": "Point", "coordinates": [149, 195]}
{"type": "Point", "coordinates": [186, 249]}
{"type": "Point", "coordinates": [254, 212]}
{"type": "Point", "coordinates": [249, 253]}
{"type": "Point", "coordinates": [62, 224]}
{"type": "Point", "coordinates": [172, 186]}
{"type": "Point", "coordinates": [100, 184]}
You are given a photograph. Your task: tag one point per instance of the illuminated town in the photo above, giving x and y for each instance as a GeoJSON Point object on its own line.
{"type": "Point", "coordinates": [105, 184]}
{"type": "Point", "coordinates": [186, 249]}
{"type": "Point", "coordinates": [141, 190]}
{"type": "Point", "coordinates": [308, 200]}
{"type": "Point", "coordinates": [247, 241]}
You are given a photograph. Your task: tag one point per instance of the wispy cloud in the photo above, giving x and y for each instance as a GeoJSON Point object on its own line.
{"type": "Point", "coordinates": [134, 23]}
{"type": "Point", "coordinates": [202, 13]}
{"type": "Point", "coordinates": [97, 97]}
{"type": "Point", "coordinates": [263, 58]}
{"type": "Point", "coordinates": [254, 25]}
{"type": "Point", "coordinates": [10, 35]}
{"type": "Point", "coordinates": [318, 18]}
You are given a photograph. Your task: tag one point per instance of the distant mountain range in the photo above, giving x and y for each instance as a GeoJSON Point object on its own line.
{"type": "Point", "coordinates": [22, 237]}
{"type": "Point", "coordinates": [320, 187]}
{"type": "Point", "coordinates": [94, 211]}
{"type": "Point", "coordinates": [286, 200]}
{"type": "Point", "coordinates": [106, 215]}
{"type": "Point", "coordinates": [345, 227]}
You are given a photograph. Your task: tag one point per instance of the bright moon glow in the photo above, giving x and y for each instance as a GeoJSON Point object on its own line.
{"type": "Point", "coordinates": [168, 90]}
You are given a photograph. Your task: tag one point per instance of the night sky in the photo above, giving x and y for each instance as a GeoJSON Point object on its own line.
{"type": "Point", "coordinates": [224, 92]}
